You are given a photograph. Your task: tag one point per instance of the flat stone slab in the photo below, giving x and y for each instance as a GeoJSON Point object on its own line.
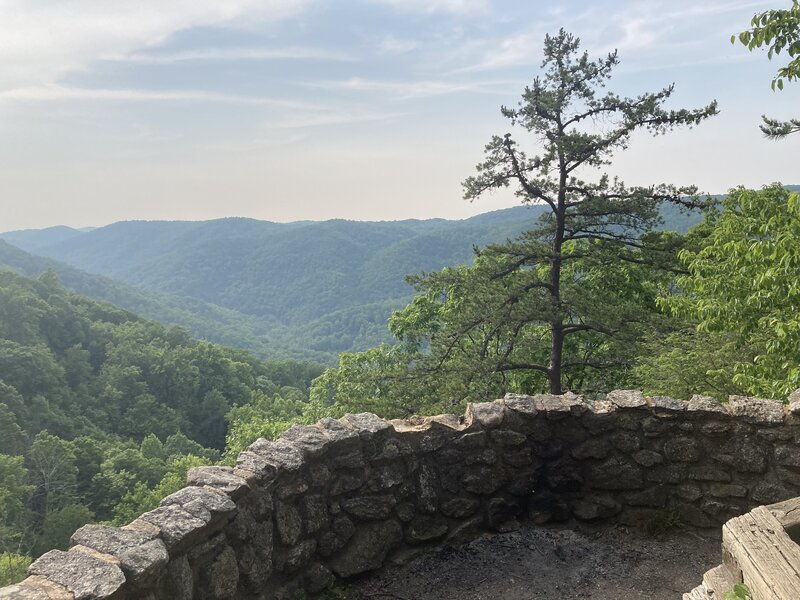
{"type": "Point", "coordinates": [627, 398]}
{"type": "Point", "coordinates": [87, 577]}
{"type": "Point", "coordinates": [141, 555]}
{"type": "Point", "coordinates": [279, 455]}
{"type": "Point", "coordinates": [550, 404]}
{"type": "Point", "coordinates": [705, 404]}
{"type": "Point", "coordinates": [36, 588]}
{"type": "Point", "coordinates": [343, 438]}
{"type": "Point", "coordinates": [176, 526]}
{"type": "Point", "coordinates": [520, 403]}
{"type": "Point", "coordinates": [756, 410]}
{"type": "Point", "coordinates": [367, 424]}
{"type": "Point", "coordinates": [201, 501]}
{"type": "Point", "coordinates": [310, 440]}
{"type": "Point", "coordinates": [220, 478]}
{"type": "Point", "coordinates": [487, 414]}
{"type": "Point", "coordinates": [665, 403]}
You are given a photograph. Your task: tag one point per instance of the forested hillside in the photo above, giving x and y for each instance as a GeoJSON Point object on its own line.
{"type": "Point", "coordinates": [293, 272]}
{"type": "Point", "coordinates": [202, 319]}
{"type": "Point", "coordinates": [306, 290]}
{"type": "Point", "coordinates": [101, 411]}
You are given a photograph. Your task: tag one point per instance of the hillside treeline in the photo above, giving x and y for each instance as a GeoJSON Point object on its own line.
{"type": "Point", "coordinates": [102, 412]}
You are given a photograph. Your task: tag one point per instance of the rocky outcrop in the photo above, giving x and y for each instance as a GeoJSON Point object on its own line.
{"type": "Point", "coordinates": [344, 496]}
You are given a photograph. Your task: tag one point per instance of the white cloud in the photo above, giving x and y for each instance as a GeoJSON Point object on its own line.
{"type": "Point", "coordinates": [516, 50]}
{"type": "Point", "coordinates": [461, 7]}
{"type": "Point", "coordinates": [338, 117]}
{"type": "Point", "coordinates": [393, 45]}
{"type": "Point", "coordinates": [226, 54]}
{"type": "Point", "coordinates": [46, 93]}
{"type": "Point", "coordinates": [655, 30]}
{"type": "Point", "coordinates": [703, 9]}
{"type": "Point", "coordinates": [636, 34]}
{"type": "Point", "coordinates": [406, 90]}
{"type": "Point", "coordinates": [41, 40]}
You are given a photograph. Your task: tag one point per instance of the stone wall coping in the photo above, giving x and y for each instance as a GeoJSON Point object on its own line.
{"type": "Point", "coordinates": [106, 561]}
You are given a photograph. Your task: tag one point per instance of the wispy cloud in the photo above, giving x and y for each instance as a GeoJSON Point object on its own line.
{"type": "Point", "coordinates": [406, 90]}
{"type": "Point", "coordinates": [393, 45]}
{"type": "Point", "coordinates": [237, 54]}
{"type": "Point", "coordinates": [633, 28]}
{"type": "Point", "coordinates": [716, 8]}
{"type": "Point", "coordinates": [512, 51]}
{"type": "Point", "coordinates": [338, 117]}
{"type": "Point", "coordinates": [687, 64]}
{"type": "Point", "coordinates": [636, 34]}
{"type": "Point", "coordinates": [459, 7]}
{"type": "Point", "coordinates": [42, 41]}
{"type": "Point", "coordinates": [49, 93]}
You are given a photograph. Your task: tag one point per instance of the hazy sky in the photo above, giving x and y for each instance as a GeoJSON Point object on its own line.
{"type": "Point", "coordinates": [361, 109]}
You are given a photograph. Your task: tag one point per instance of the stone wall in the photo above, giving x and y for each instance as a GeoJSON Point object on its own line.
{"type": "Point", "coordinates": [345, 496]}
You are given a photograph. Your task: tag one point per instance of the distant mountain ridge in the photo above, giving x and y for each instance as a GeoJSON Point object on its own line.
{"type": "Point", "coordinates": [305, 289]}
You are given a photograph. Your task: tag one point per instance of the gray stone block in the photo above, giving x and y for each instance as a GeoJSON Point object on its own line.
{"type": "Point", "coordinates": [682, 449]}
{"type": "Point", "coordinates": [203, 503]}
{"type": "Point", "coordinates": [288, 523]}
{"type": "Point", "coordinates": [177, 527]}
{"type": "Point", "coordinates": [552, 406]}
{"type": "Point", "coordinates": [486, 414]}
{"type": "Point", "coordinates": [520, 404]}
{"type": "Point", "coordinates": [756, 410]}
{"type": "Point", "coordinates": [343, 438]}
{"type": "Point", "coordinates": [280, 455]}
{"type": "Point", "coordinates": [616, 474]}
{"type": "Point", "coordinates": [142, 556]}
{"type": "Point", "coordinates": [370, 507]}
{"type": "Point", "coordinates": [367, 425]}
{"type": "Point", "coordinates": [627, 399]}
{"type": "Point", "coordinates": [87, 577]}
{"type": "Point", "coordinates": [36, 588]}
{"type": "Point", "coordinates": [368, 548]}
{"type": "Point", "coordinates": [220, 478]}
{"type": "Point", "coordinates": [665, 404]}
{"type": "Point", "coordinates": [700, 405]}
{"type": "Point", "coordinates": [309, 440]}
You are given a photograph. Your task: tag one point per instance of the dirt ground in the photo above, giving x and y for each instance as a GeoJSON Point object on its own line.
{"type": "Point", "coordinates": [554, 563]}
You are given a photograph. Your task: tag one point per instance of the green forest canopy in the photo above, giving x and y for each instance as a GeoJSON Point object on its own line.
{"type": "Point", "coordinates": [301, 290]}
{"type": "Point", "coordinates": [102, 412]}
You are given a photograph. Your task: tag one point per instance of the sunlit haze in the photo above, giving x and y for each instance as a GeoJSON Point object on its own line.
{"type": "Point", "coordinates": [360, 109]}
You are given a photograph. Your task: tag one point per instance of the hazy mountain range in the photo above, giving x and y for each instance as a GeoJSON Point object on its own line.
{"type": "Point", "coordinates": [308, 289]}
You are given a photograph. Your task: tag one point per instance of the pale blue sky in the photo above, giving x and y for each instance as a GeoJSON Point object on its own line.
{"type": "Point", "coordinates": [362, 109]}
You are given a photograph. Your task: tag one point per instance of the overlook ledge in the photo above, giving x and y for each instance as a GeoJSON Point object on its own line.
{"type": "Point", "coordinates": [342, 497]}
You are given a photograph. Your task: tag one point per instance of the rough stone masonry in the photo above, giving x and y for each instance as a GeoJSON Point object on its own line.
{"type": "Point", "coordinates": [342, 497]}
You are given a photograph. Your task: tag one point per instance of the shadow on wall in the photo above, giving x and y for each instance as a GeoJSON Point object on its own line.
{"type": "Point", "coordinates": [341, 497]}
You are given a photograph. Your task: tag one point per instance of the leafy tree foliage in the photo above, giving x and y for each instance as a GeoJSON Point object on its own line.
{"type": "Point", "coordinates": [585, 219]}
{"type": "Point", "coordinates": [267, 417]}
{"type": "Point", "coordinates": [143, 498]}
{"type": "Point", "coordinates": [59, 525]}
{"type": "Point", "coordinates": [565, 303]}
{"type": "Point", "coordinates": [777, 30]}
{"type": "Point", "coordinates": [14, 492]}
{"type": "Point", "coordinates": [687, 362]}
{"type": "Point", "coordinates": [13, 567]}
{"type": "Point", "coordinates": [465, 320]}
{"type": "Point", "coordinates": [744, 281]}
{"type": "Point", "coordinates": [102, 413]}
